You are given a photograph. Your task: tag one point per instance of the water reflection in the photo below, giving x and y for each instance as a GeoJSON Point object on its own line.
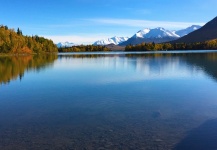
{"type": "Point", "coordinates": [151, 65]}
{"type": "Point", "coordinates": [206, 62]}
{"type": "Point", "coordinates": [154, 65]}
{"type": "Point", "coordinates": [112, 101]}
{"type": "Point", "coordinates": [13, 67]}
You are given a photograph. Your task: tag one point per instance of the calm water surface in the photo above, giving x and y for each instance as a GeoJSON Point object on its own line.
{"type": "Point", "coordinates": [151, 101]}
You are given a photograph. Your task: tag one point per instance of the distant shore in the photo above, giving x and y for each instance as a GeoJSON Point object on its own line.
{"type": "Point", "coordinates": [113, 47]}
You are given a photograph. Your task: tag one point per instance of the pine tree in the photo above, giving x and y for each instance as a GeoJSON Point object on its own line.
{"type": "Point", "coordinates": [19, 32]}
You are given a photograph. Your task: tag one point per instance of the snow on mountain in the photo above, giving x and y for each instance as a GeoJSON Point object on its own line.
{"type": "Point", "coordinates": [65, 44]}
{"type": "Point", "coordinates": [119, 40]}
{"type": "Point", "coordinates": [142, 33]}
{"type": "Point", "coordinates": [188, 30]}
{"type": "Point", "coordinates": [155, 33]}
{"type": "Point", "coordinates": [158, 35]}
{"type": "Point", "coordinates": [114, 40]}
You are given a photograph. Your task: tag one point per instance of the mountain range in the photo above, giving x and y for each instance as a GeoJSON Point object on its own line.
{"type": "Point", "coordinates": [114, 40]}
{"type": "Point", "coordinates": [205, 33]}
{"type": "Point", "coordinates": [188, 30]}
{"type": "Point", "coordinates": [157, 35]}
{"type": "Point", "coordinates": [192, 34]}
{"type": "Point", "coordinates": [65, 44]}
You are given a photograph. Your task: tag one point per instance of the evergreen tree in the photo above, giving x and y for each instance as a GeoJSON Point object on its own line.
{"type": "Point", "coordinates": [19, 32]}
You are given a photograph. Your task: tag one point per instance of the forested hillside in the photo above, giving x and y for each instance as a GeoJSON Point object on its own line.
{"type": "Point", "coordinates": [15, 42]}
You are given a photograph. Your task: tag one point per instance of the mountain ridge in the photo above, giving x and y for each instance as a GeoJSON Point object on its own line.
{"type": "Point", "coordinates": [158, 35]}
{"type": "Point", "coordinates": [158, 32]}
{"type": "Point", "coordinates": [65, 44]}
{"type": "Point", "coordinates": [114, 40]}
{"type": "Point", "coordinates": [188, 30]}
{"type": "Point", "coordinates": [205, 33]}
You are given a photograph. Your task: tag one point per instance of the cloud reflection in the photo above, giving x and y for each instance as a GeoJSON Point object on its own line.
{"type": "Point", "coordinates": [119, 69]}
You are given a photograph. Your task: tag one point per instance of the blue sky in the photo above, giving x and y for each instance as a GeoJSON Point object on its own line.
{"type": "Point", "coordinates": [85, 21]}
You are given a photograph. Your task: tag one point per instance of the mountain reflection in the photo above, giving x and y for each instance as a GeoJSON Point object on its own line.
{"type": "Point", "coordinates": [13, 67]}
{"type": "Point", "coordinates": [160, 65]}
{"type": "Point", "coordinates": [195, 62]}
{"type": "Point", "coordinates": [206, 61]}
{"type": "Point", "coordinates": [150, 65]}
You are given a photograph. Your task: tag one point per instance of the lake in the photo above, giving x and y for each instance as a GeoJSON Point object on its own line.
{"type": "Point", "coordinates": [113, 100]}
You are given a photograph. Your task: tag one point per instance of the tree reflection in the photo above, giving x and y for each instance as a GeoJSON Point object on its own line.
{"type": "Point", "coordinates": [13, 67]}
{"type": "Point", "coordinates": [206, 61]}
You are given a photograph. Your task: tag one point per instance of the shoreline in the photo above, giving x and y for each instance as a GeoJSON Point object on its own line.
{"type": "Point", "coordinates": [112, 51]}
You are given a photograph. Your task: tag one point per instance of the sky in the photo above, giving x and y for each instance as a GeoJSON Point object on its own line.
{"type": "Point", "coordinates": [86, 21]}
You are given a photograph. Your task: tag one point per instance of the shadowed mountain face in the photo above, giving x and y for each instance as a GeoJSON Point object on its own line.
{"type": "Point", "coordinates": [202, 138]}
{"type": "Point", "coordinates": [188, 30]}
{"type": "Point", "coordinates": [207, 32]}
{"type": "Point", "coordinates": [114, 47]}
{"type": "Point", "coordinates": [158, 35]}
{"type": "Point", "coordinates": [135, 41]}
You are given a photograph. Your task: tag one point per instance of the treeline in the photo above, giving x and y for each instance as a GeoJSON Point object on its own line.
{"type": "Point", "coordinates": [12, 41]}
{"type": "Point", "coordinates": [207, 45]}
{"type": "Point", "coordinates": [83, 48]}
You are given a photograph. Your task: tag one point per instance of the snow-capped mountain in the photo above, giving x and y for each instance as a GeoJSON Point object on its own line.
{"type": "Point", "coordinates": [141, 33]}
{"type": "Point", "coordinates": [188, 30]}
{"type": "Point", "coordinates": [155, 33]}
{"type": "Point", "coordinates": [114, 40]}
{"type": "Point", "coordinates": [65, 44]}
{"type": "Point", "coordinates": [158, 35]}
{"type": "Point", "coordinates": [205, 33]}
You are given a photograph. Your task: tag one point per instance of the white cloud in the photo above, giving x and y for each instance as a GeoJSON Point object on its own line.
{"type": "Point", "coordinates": [128, 25]}
{"type": "Point", "coordinates": [144, 23]}
{"type": "Point", "coordinates": [77, 39]}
